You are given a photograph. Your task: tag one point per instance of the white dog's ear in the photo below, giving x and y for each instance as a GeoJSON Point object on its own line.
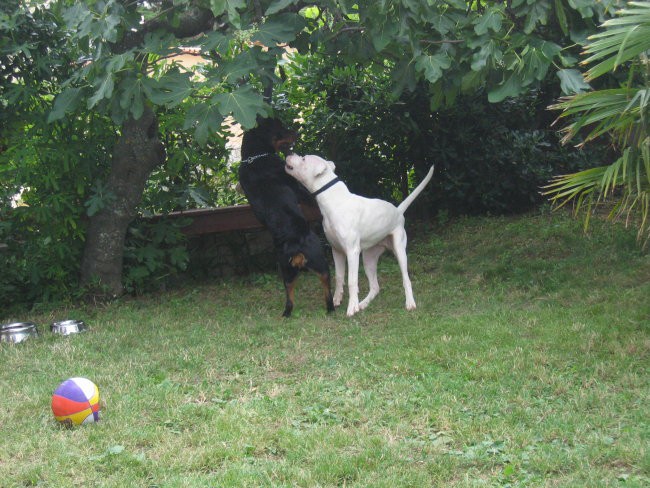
{"type": "Point", "coordinates": [321, 166]}
{"type": "Point", "coordinates": [331, 165]}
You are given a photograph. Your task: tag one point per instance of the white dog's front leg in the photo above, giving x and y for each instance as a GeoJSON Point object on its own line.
{"type": "Point", "coordinates": [339, 271]}
{"type": "Point", "coordinates": [353, 282]}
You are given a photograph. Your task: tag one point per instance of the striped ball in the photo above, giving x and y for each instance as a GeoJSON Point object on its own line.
{"type": "Point", "coordinates": [76, 402]}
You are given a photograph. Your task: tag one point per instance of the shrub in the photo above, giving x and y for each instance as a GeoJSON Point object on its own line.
{"type": "Point", "coordinates": [490, 158]}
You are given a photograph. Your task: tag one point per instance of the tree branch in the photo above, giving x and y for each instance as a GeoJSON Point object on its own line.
{"type": "Point", "coordinates": [442, 41]}
{"type": "Point", "coordinates": [193, 21]}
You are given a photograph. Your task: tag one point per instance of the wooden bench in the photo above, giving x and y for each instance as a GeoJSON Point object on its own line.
{"type": "Point", "coordinates": [228, 219]}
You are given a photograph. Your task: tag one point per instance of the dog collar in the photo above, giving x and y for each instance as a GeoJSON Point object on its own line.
{"type": "Point", "coordinates": [253, 158]}
{"type": "Point", "coordinates": [326, 186]}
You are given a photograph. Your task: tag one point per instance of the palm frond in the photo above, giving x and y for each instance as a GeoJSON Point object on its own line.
{"type": "Point", "coordinates": [628, 36]}
{"type": "Point", "coordinates": [620, 113]}
{"type": "Point", "coordinates": [602, 111]}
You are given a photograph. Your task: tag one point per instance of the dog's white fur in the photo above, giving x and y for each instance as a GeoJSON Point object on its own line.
{"type": "Point", "coordinates": [356, 225]}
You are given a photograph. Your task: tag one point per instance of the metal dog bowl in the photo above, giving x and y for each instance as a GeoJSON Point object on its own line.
{"type": "Point", "coordinates": [67, 327]}
{"type": "Point", "coordinates": [17, 332]}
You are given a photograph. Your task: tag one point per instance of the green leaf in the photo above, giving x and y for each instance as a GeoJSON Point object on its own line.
{"type": "Point", "coordinates": [561, 17]}
{"type": "Point", "coordinates": [510, 88]}
{"type": "Point", "coordinates": [278, 5]}
{"type": "Point", "coordinates": [170, 90]}
{"type": "Point", "coordinates": [230, 7]}
{"type": "Point", "coordinates": [442, 23]}
{"type": "Point", "coordinates": [104, 90]}
{"type": "Point", "coordinates": [77, 15]}
{"type": "Point", "coordinates": [205, 118]}
{"type": "Point", "coordinates": [624, 39]}
{"type": "Point", "coordinates": [239, 67]}
{"type": "Point", "coordinates": [118, 61]}
{"type": "Point", "coordinates": [489, 52]}
{"type": "Point", "coordinates": [432, 66]}
{"type": "Point", "coordinates": [490, 20]}
{"type": "Point", "coordinates": [215, 41]}
{"type": "Point", "coordinates": [279, 29]}
{"type": "Point", "coordinates": [67, 101]}
{"type": "Point", "coordinates": [572, 81]}
{"type": "Point", "coordinates": [218, 7]}
{"type": "Point", "coordinates": [585, 7]}
{"type": "Point", "coordinates": [244, 104]}
{"type": "Point", "coordinates": [161, 43]}
{"type": "Point", "coordinates": [403, 78]}
{"type": "Point", "coordinates": [383, 37]}
{"type": "Point", "coordinates": [132, 98]}
{"type": "Point", "coordinates": [108, 27]}
{"type": "Point", "coordinates": [538, 14]}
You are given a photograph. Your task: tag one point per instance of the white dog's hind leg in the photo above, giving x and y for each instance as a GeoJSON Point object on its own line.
{"type": "Point", "coordinates": [399, 248]}
{"type": "Point", "coordinates": [353, 281]}
{"type": "Point", "coordinates": [339, 271]}
{"type": "Point", "coordinates": [370, 259]}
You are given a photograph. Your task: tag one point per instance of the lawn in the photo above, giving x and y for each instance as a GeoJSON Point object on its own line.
{"type": "Point", "coordinates": [525, 364]}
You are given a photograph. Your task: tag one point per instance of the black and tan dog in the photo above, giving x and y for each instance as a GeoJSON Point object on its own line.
{"type": "Point", "coordinates": [274, 197]}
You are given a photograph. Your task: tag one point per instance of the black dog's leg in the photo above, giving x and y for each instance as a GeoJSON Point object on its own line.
{"type": "Point", "coordinates": [289, 277]}
{"type": "Point", "coordinates": [327, 290]}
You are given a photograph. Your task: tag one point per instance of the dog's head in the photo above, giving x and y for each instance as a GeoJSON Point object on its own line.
{"type": "Point", "coordinates": [309, 170]}
{"type": "Point", "coordinates": [273, 132]}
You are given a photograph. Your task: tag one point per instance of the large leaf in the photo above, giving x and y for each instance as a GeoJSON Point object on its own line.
{"type": "Point", "coordinates": [67, 101]}
{"type": "Point", "coordinates": [132, 96]}
{"type": "Point", "coordinates": [489, 53]}
{"type": "Point", "coordinates": [490, 20]}
{"type": "Point", "coordinates": [572, 81]}
{"type": "Point", "coordinates": [170, 90]}
{"type": "Point", "coordinates": [205, 118]}
{"type": "Point", "coordinates": [509, 88]}
{"type": "Point", "coordinates": [160, 43]}
{"type": "Point", "coordinates": [279, 29]}
{"type": "Point", "coordinates": [215, 41]}
{"type": "Point", "coordinates": [278, 5]}
{"type": "Point", "coordinates": [403, 78]}
{"type": "Point", "coordinates": [537, 14]}
{"type": "Point", "coordinates": [244, 104]}
{"type": "Point", "coordinates": [624, 39]}
{"type": "Point", "coordinates": [239, 67]}
{"type": "Point", "coordinates": [230, 7]}
{"type": "Point", "coordinates": [103, 89]}
{"type": "Point", "coordinates": [79, 18]}
{"type": "Point", "coordinates": [603, 111]}
{"type": "Point", "coordinates": [432, 66]}
{"type": "Point", "coordinates": [383, 36]}
{"type": "Point", "coordinates": [620, 113]}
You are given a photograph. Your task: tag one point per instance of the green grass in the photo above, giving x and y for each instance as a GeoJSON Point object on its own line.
{"type": "Point", "coordinates": [525, 364]}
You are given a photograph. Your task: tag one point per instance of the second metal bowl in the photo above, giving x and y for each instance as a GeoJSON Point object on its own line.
{"type": "Point", "coordinates": [67, 327]}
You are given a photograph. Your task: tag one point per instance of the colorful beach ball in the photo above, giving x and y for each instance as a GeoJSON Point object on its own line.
{"type": "Point", "coordinates": [76, 402]}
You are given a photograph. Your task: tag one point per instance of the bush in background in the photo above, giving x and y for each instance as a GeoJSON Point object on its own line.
{"type": "Point", "coordinates": [490, 158]}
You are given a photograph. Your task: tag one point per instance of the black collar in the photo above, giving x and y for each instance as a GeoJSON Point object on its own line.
{"type": "Point", "coordinates": [253, 158]}
{"type": "Point", "coordinates": [326, 186]}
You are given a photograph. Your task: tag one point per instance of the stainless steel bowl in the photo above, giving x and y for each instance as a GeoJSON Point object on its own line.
{"type": "Point", "coordinates": [17, 332]}
{"type": "Point", "coordinates": [67, 327]}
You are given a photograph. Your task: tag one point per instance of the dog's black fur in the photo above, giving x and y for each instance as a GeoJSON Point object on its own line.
{"type": "Point", "coordinates": [274, 197]}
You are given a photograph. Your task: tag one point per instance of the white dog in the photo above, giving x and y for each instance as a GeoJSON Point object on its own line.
{"type": "Point", "coordinates": [355, 225]}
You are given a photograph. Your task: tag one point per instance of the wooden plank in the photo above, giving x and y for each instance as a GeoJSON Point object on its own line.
{"type": "Point", "coordinates": [227, 219]}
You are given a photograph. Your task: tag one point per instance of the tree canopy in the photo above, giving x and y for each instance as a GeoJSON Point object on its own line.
{"type": "Point", "coordinates": [126, 49]}
{"type": "Point", "coordinates": [98, 110]}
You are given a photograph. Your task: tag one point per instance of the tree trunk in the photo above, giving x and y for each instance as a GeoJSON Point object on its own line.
{"type": "Point", "coordinates": [137, 152]}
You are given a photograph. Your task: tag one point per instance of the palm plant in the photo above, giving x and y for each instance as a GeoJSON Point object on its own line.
{"type": "Point", "coordinates": [619, 113]}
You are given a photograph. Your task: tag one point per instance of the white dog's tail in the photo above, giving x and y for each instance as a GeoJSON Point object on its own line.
{"type": "Point", "coordinates": [418, 189]}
